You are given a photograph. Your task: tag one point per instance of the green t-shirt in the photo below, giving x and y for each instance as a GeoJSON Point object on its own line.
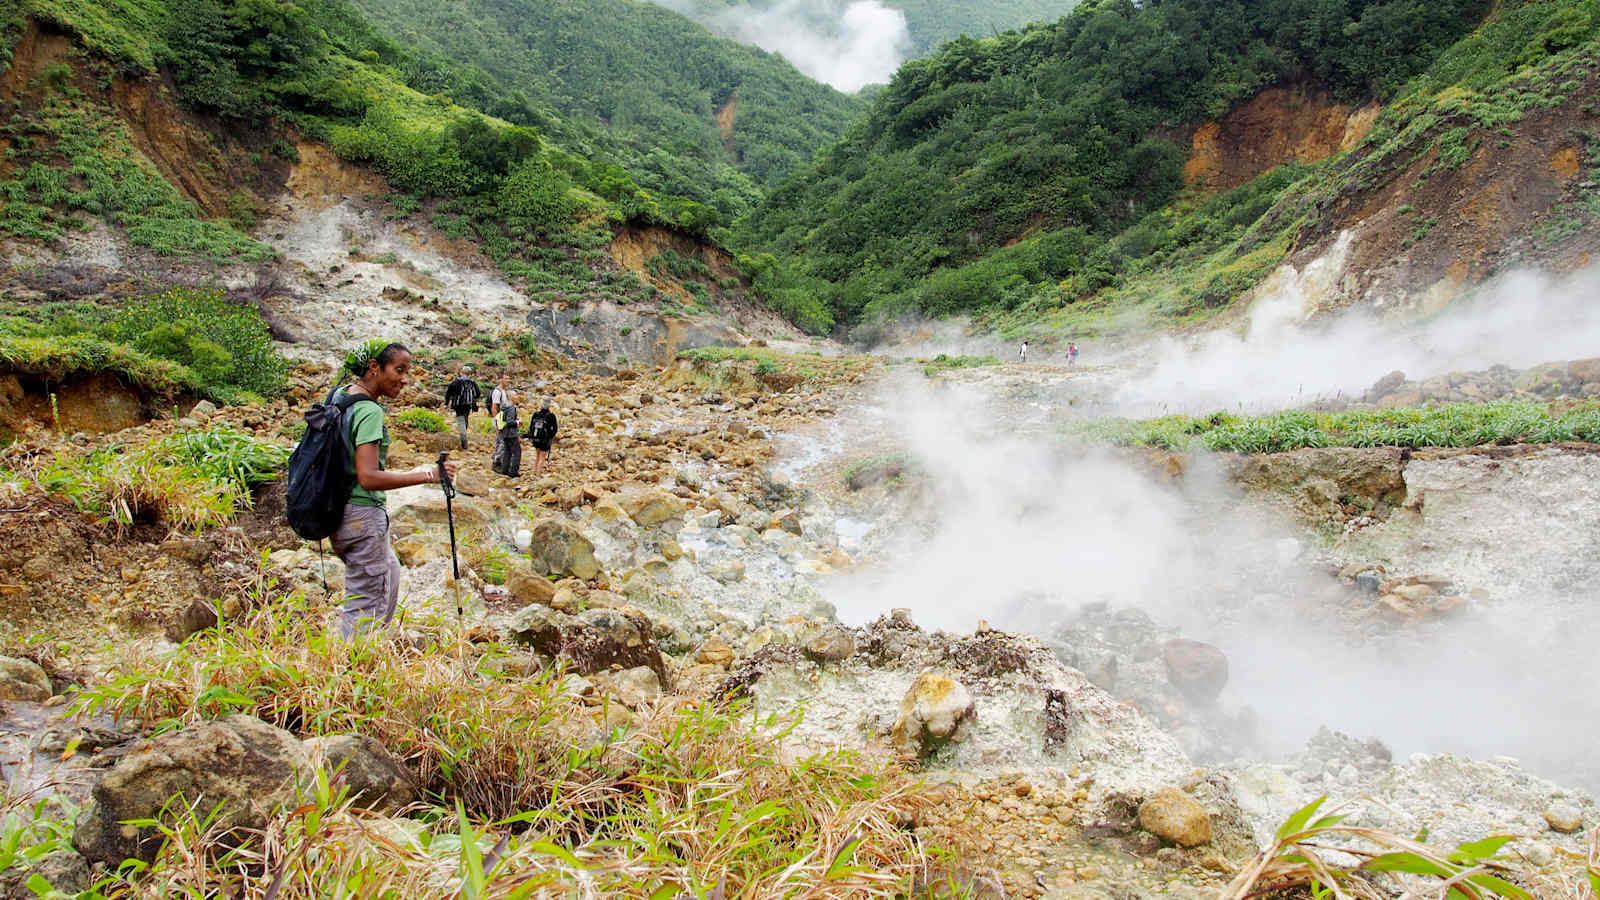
{"type": "Point", "coordinates": [367, 427]}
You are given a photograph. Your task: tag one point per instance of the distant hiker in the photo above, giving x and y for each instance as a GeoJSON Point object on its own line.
{"type": "Point", "coordinates": [1072, 354]}
{"type": "Point", "coordinates": [507, 459]}
{"type": "Point", "coordinates": [372, 572]}
{"type": "Point", "coordinates": [500, 394]}
{"type": "Point", "coordinates": [1023, 356]}
{"type": "Point", "coordinates": [462, 398]}
{"type": "Point", "coordinates": [541, 431]}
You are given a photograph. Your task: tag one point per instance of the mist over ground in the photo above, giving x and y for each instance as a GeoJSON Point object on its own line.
{"type": "Point", "coordinates": [848, 45]}
{"type": "Point", "coordinates": [1019, 527]}
{"type": "Point", "coordinates": [1280, 359]}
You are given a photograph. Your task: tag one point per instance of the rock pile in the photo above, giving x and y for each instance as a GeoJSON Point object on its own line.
{"type": "Point", "coordinates": [1550, 381]}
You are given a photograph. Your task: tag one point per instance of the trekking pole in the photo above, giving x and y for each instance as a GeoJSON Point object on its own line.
{"type": "Point", "coordinates": [450, 516]}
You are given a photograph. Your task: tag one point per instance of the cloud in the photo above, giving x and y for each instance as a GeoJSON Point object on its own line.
{"type": "Point", "coordinates": [846, 44]}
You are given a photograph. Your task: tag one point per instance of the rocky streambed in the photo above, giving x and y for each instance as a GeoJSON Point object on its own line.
{"type": "Point", "coordinates": [1118, 672]}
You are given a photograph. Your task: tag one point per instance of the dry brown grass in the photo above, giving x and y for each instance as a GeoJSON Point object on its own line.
{"type": "Point", "coordinates": [685, 799]}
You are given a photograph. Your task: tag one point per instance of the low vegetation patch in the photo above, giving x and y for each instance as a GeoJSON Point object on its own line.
{"type": "Point", "coordinates": [944, 363]}
{"type": "Point", "coordinates": [189, 481]}
{"type": "Point", "coordinates": [1456, 425]}
{"type": "Point", "coordinates": [424, 420]}
{"type": "Point", "coordinates": [182, 341]}
{"type": "Point", "coordinates": [528, 788]}
{"type": "Point", "coordinates": [808, 366]}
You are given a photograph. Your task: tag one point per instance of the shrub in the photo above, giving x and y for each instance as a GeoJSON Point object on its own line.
{"type": "Point", "coordinates": [424, 420]}
{"type": "Point", "coordinates": [188, 481]}
{"type": "Point", "coordinates": [223, 341]}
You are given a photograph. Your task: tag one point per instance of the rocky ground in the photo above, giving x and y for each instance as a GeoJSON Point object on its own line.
{"type": "Point", "coordinates": [700, 530]}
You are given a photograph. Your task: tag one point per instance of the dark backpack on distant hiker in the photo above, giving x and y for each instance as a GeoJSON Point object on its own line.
{"type": "Point", "coordinates": [320, 477]}
{"type": "Point", "coordinates": [539, 429]}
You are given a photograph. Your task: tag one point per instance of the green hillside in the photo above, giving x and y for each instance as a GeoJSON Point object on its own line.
{"type": "Point", "coordinates": [995, 174]}
{"type": "Point", "coordinates": [654, 78]}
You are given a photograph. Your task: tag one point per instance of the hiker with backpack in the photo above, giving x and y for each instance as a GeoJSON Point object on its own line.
{"type": "Point", "coordinates": [500, 394]}
{"type": "Point", "coordinates": [507, 458]}
{"type": "Point", "coordinates": [462, 398]}
{"type": "Point", "coordinates": [541, 431]}
{"type": "Point", "coordinates": [337, 480]}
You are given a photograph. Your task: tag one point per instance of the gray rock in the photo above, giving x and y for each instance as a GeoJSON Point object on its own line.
{"type": "Point", "coordinates": [240, 766]}
{"type": "Point", "coordinates": [1564, 817]}
{"type": "Point", "coordinates": [1199, 671]}
{"type": "Point", "coordinates": [377, 780]}
{"type": "Point", "coordinates": [559, 548]}
{"type": "Point", "coordinates": [634, 687]}
{"type": "Point", "coordinates": [1175, 817]}
{"type": "Point", "coordinates": [203, 410]}
{"type": "Point", "coordinates": [937, 710]}
{"type": "Point", "coordinates": [22, 679]}
{"type": "Point", "coordinates": [833, 644]}
{"type": "Point", "coordinates": [65, 870]}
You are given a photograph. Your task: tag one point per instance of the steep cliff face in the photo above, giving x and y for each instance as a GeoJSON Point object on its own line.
{"type": "Point", "coordinates": [1488, 183]}
{"type": "Point", "coordinates": [347, 260]}
{"type": "Point", "coordinates": [1279, 125]}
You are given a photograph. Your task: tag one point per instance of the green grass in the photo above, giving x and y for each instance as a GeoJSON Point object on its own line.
{"type": "Point", "coordinates": [83, 356]}
{"type": "Point", "coordinates": [72, 159]}
{"type": "Point", "coordinates": [1456, 425]}
{"type": "Point", "coordinates": [424, 420]}
{"type": "Point", "coordinates": [944, 363]}
{"type": "Point", "coordinates": [188, 481]}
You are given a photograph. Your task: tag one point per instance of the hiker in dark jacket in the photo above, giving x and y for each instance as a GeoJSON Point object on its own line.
{"type": "Point", "coordinates": [462, 398]}
{"type": "Point", "coordinates": [507, 459]}
{"type": "Point", "coordinates": [372, 572]}
{"type": "Point", "coordinates": [541, 432]}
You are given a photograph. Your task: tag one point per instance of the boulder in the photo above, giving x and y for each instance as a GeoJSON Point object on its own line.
{"type": "Point", "coordinates": [715, 652]}
{"type": "Point", "coordinates": [650, 506]}
{"type": "Point", "coordinates": [22, 679]}
{"type": "Point", "coordinates": [65, 870]}
{"type": "Point", "coordinates": [1197, 670]}
{"type": "Point", "coordinates": [937, 710]}
{"type": "Point", "coordinates": [1563, 817]}
{"type": "Point", "coordinates": [593, 641]}
{"type": "Point", "coordinates": [1386, 385]}
{"type": "Point", "coordinates": [377, 780]}
{"type": "Point", "coordinates": [559, 548]}
{"type": "Point", "coordinates": [1176, 818]}
{"type": "Point", "coordinates": [538, 627]}
{"type": "Point", "coordinates": [239, 766]}
{"type": "Point", "coordinates": [633, 687]}
{"type": "Point", "coordinates": [786, 519]}
{"type": "Point", "coordinates": [727, 571]}
{"type": "Point", "coordinates": [424, 504]}
{"type": "Point", "coordinates": [834, 643]}
{"type": "Point", "coordinates": [528, 586]}
{"type": "Point", "coordinates": [203, 410]}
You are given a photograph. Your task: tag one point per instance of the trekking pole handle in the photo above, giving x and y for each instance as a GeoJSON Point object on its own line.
{"type": "Point", "coordinates": [444, 475]}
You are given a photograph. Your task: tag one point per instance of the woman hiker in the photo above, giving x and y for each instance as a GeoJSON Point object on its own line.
{"type": "Point", "coordinates": [372, 572]}
{"type": "Point", "coordinates": [507, 459]}
{"type": "Point", "coordinates": [541, 431]}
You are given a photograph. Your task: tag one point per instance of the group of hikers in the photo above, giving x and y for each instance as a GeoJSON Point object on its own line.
{"type": "Point", "coordinates": [339, 473]}
{"type": "Point", "coordinates": [461, 398]}
{"type": "Point", "coordinates": [1072, 354]}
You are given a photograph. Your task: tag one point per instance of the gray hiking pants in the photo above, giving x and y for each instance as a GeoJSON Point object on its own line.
{"type": "Point", "coordinates": [461, 428]}
{"type": "Point", "coordinates": [371, 570]}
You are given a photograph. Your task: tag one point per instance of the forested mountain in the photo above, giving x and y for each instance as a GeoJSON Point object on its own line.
{"type": "Point", "coordinates": [694, 107]}
{"type": "Point", "coordinates": [1059, 133]}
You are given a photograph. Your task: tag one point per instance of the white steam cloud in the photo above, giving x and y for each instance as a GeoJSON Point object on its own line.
{"type": "Point", "coordinates": [1279, 360]}
{"type": "Point", "coordinates": [1018, 528]}
{"type": "Point", "coordinates": [846, 44]}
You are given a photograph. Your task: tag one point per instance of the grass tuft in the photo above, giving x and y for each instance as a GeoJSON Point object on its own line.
{"type": "Point", "coordinates": [531, 788]}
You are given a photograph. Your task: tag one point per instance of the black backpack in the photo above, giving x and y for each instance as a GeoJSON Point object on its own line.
{"type": "Point", "coordinates": [539, 429]}
{"type": "Point", "coordinates": [320, 479]}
